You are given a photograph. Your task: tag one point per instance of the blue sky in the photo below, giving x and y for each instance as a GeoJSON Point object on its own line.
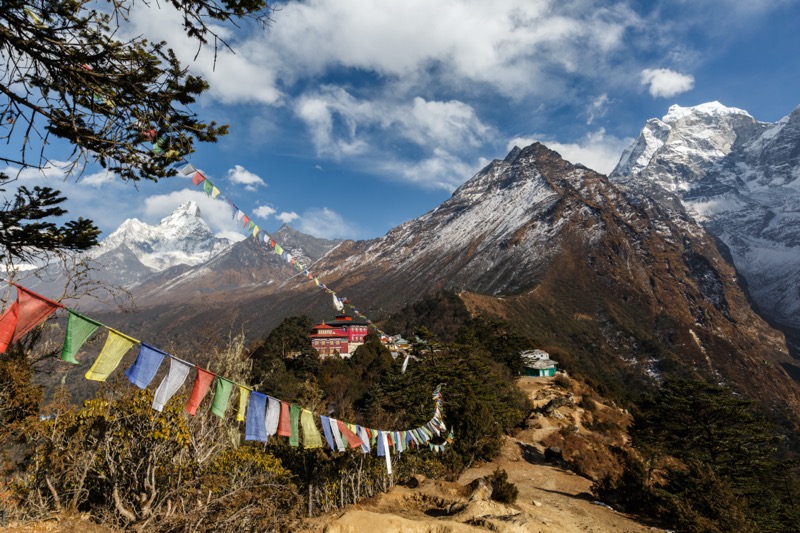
{"type": "Point", "coordinates": [349, 117]}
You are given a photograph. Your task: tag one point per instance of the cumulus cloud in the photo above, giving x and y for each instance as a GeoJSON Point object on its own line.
{"type": "Point", "coordinates": [217, 214]}
{"type": "Point", "coordinates": [666, 83]}
{"type": "Point", "coordinates": [327, 224]}
{"type": "Point", "coordinates": [597, 150]}
{"type": "Point", "coordinates": [263, 212]}
{"type": "Point", "coordinates": [241, 176]}
{"type": "Point", "coordinates": [287, 217]}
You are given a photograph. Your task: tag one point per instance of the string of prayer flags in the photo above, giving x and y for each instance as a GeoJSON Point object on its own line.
{"type": "Point", "coordinates": [79, 329]}
{"type": "Point", "coordinates": [178, 371]}
{"type": "Point", "coordinates": [264, 415]}
{"type": "Point", "coordinates": [273, 415]}
{"type": "Point", "coordinates": [222, 394]}
{"type": "Point", "coordinates": [116, 346]}
{"type": "Point", "coordinates": [147, 363]}
{"type": "Point", "coordinates": [256, 427]}
{"type": "Point", "coordinates": [28, 311]}
{"type": "Point", "coordinates": [244, 395]}
{"type": "Point", "coordinates": [311, 436]}
{"type": "Point", "coordinates": [202, 383]}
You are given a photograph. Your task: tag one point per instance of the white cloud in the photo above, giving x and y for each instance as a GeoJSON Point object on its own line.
{"type": "Point", "coordinates": [598, 150]}
{"type": "Point", "coordinates": [217, 214]}
{"type": "Point", "coordinates": [287, 217]}
{"type": "Point", "coordinates": [98, 179]}
{"type": "Point", "coordinates": [597, 108]}
{"type": "Point", "coordinates": [666, 83]}
{"type": "Point", "coordinates": [441, 170]}
{"type": "Point", "coordinates": [263, 211]}
{"type": "Point", "coordinates": [240, 175]}
{"type": "Point", "coordinates": [444, 133]}
{"type": "Point", "coordinates": [327, 224]}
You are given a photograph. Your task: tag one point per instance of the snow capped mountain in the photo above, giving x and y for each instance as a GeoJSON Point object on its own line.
{"type": "Point", "coordinates": [182, 238]}
{"type": "Point", "coordinates": [738, 177]}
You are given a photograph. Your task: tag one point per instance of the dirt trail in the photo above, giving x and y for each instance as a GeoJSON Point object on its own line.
{"type": "Point", "coordinates": [551, 499]}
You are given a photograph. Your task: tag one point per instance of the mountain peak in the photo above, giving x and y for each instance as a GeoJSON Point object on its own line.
{"type": "Point", "coordinates": [709, 109]}
{"type": "Point", "coordinates": [181, 238]}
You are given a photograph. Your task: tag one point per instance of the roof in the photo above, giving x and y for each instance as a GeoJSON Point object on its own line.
{"type": "Point", "coordinates": [541, 364]}
{"type": "Point", "coordinates": [349, 321]}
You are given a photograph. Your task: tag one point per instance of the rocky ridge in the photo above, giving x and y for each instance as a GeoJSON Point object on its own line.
{"type": "Point", "coordinates": [738, 177]}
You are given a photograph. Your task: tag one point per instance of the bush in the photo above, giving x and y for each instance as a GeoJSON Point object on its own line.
{"type": "Point", "coordinates": [502, 490]}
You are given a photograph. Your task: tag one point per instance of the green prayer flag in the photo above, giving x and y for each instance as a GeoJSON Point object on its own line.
{"type": "Point", "coordinates": [79, 329]}
{"type": "Point", "coordinates": [222, 395]}
{"type": "Point", "coordinates": [208, 187]}
{"type": "Point", "coordinates": [311, 436]}
{"type": "Point", "coordinates": [244, 396]}
{"type": "Point", "coordinates": [278, 249]}
{"type": "Point", "coordinates": [294, 418]}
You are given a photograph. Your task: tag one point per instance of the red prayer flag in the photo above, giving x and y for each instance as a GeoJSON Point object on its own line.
{"type": "Point", "coordinates": [8, 323]}
{"type": "Point", "coordinates": [201, 385]}
{"type": "Point", "coordinates": [245, 221]}
{"type": "Point", "coordinates": [285, 424]}
{"type": "Point", "coordinates": [26, 313]}
{"type": "Point", "coordinates": [352, 438]}
{"type": "Point", "coordinates": [198, 178]}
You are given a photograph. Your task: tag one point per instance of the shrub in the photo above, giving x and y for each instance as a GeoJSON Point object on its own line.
{"type": "Point", "coordinates": [503, 491]}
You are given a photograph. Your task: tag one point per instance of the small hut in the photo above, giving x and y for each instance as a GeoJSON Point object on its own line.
{"type": "Point", "coordinates": [538, 363]}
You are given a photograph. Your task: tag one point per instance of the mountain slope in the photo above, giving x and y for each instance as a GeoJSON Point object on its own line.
{"type": "Point", "coordinates": [626, 289]}
{"type": "Point", "coordinates": [740, 178]}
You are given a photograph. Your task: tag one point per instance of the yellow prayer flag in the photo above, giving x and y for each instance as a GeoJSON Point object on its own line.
{"type": "Point", "coordinates": [115, 347]}
{"type": "Point", "coordinates": [255, 232]}
{"type": "Point", "coordinates": [244, 396]}
{"type": "Point", "coordinates": [215, 192]}
{"type": "Point", "coordinates": [311, 436]}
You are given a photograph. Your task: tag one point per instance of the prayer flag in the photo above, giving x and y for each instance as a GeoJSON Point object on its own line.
{"type": "Point", "coordinates": [352, 438]}
{"type": "Point", "coordinates": [79, 329]}
{"type": "Point", "coordinates": [250, 226]}
{"type": "Point", "coordinates": [362, 434]}
{"type": "Point", "coordinates": [336, 303]}
{"type": "Point", "coordinates": [245, 220]}
{"type": "Point", "coordinates": [337, 436]}
{"type": "Point", "coordinates": [256, 428]}
{"type": "Point", "coordinates": [222, 394]}
{"type": "Point", "coordinates": [294, 415]}
{"type": "Point", "coordinates": [188, 169]}
{"type": "Point", "coordinates": [115, 347]}
{"type": "Point", "coordinates": [278, 249]}
{"type": "Point", "coordinates": [382, 439]}
{"type": "Point", "coordinates": [215, 192]}
{"type": "Point", "coordinates": [311, 436]}
{"type": "Point", "coordinates": [178, 370]}
{"type": "Point", "coordinates": [27, 312]}
{"type": "Point", "coordinates": [285, 425]}
{"type": "Point", "coordinates": [273, 415]}
{"type": "Point", "coordinates": [244, 394]}
{"type": "Point", "coordinates": [208, 187]}
{"type": "Point", "coordinates": [326, 429]}
{"type": "Point", "coordinates": [199, 390]}
{"type": "Point", "coordinates": [144, 369]}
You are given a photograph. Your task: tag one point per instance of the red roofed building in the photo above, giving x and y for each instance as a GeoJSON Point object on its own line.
{"type": "Point", "coordinates": [340, 336]}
